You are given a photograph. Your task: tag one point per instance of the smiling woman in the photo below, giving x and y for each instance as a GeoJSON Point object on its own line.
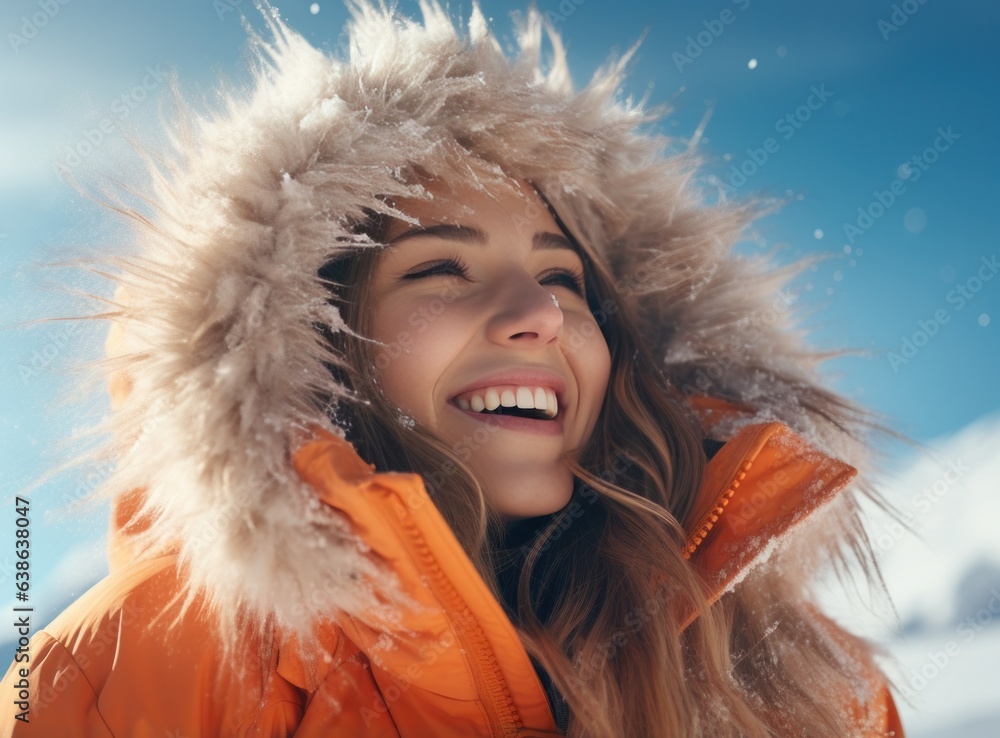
{"type": "Point", "coordinates": [499, 343]}
{"type": "Point", "coordinates": [455, 429]}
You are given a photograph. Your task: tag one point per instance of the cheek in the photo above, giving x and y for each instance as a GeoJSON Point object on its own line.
{"type": "Point", "coordinates": [594, 357]}
{"type": "Point", "coordinates": [393, 359]}
{"type": "Point", "coordinates": [387, 329]}
{"type": "Point", "coordinates": [418, 343]}
{"type": "Point", "coordinates": [600, 368]}
{"type": "Point", "coordinates": [590, 357]}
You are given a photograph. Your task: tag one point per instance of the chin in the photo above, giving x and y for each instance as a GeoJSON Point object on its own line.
{"type": "Point", "coordinates": [534, 508]}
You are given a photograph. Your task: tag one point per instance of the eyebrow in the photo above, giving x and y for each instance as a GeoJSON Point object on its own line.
{"type": "Point", "coordinates": [476, 237]}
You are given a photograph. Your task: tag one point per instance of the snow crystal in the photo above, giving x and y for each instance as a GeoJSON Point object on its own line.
{"type": "Point", "coordinates": [760, 558]}
{"type": "Point", "coordinates": [385, 643]}
{"type": "Point", "coordinates": [330, 315]}
{"type": "Point", "coordinates": [322, 114]}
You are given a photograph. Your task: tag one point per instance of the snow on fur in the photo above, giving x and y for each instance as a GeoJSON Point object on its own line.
{"type": "Point", "coordinates": [227, 368]}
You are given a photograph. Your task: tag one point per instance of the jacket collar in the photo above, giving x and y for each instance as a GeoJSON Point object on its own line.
{"type": "Point", "coordinates": [762, 482]}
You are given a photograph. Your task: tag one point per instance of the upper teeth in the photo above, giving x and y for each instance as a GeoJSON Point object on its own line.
{"type": "Point", "coordinates": [490, 398]}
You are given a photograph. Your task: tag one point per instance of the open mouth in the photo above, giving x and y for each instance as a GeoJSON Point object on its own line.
{"type": "Point", "coordinates": [520, 412]}
{"type": "Point", "coordinates": [517, 419]}
{"type": "Point", "coordinates": [528, 403]}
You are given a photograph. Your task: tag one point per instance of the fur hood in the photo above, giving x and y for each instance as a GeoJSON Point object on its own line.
{"type": "Point", "coordinates": [218, 335]}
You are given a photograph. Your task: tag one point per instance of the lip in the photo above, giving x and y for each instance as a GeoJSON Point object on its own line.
{"type": "Point", "coordinates": [524, 376]}
{"type": "Point", "coordinates": [552, 427]}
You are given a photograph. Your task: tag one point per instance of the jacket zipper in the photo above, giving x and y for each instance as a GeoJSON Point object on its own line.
{"type": "Point", "coordinates": [503, 716]}
{"type": "Point", "coordinates": [710, 518]}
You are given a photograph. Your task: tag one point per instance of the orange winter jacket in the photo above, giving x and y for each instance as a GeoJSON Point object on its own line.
{"type": "Point", "coordinates": [457, 669]}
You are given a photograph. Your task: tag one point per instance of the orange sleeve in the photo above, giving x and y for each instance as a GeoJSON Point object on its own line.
{"type": "Point", "coordinates": [124, 661]}
{"type": "Point", "coordinates": [60, 701]}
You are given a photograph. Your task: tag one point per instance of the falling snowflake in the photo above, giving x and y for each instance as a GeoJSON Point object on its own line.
{"type": "Point", "coordinates": [915, 220]}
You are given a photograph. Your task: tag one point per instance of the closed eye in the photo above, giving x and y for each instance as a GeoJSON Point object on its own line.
{"type": "Point", "coordinates": [447, 266]}
{"type": "Point", "coordinates": [571, 279]}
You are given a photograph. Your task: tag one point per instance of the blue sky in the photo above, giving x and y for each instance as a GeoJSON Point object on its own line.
{"type": "Point", "coordinates": [881, 93]}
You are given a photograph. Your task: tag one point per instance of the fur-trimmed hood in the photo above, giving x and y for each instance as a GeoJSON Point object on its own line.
{"type": "Point", "coordinates": [217, 337]}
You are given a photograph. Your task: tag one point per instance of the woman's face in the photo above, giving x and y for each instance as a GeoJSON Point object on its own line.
{"type": "Point", "coordinates": [459, 341]}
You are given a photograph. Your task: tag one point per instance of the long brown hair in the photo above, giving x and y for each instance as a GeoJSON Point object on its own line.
{"type": "Point", "coordinates": [753, 664]}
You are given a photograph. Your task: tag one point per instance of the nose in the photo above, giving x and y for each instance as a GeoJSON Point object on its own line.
{"type": "Point", "coordinates": [525, 313]}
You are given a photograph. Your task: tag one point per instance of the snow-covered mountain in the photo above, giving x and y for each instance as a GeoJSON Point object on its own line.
{"type": "Point", "coordinates": [944, 579]}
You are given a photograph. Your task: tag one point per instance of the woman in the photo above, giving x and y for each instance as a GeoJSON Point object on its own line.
{"type": "Point", "coordinates": [443, 408]}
